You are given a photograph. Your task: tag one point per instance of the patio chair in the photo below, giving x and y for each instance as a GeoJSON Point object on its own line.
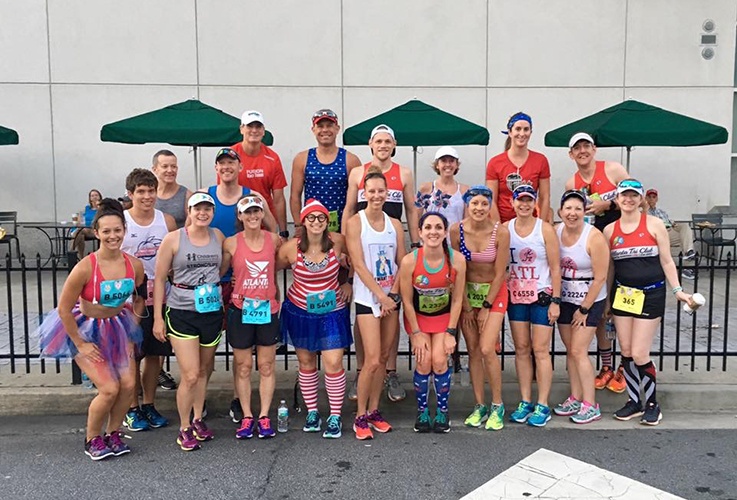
{"type": "Point", "coordinates": [710, 235]}
{"type": "Point", "coordinates": [9, 222]}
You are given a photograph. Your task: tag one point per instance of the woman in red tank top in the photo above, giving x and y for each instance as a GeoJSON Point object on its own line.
{"type": "Point", "coordinates": [95, 324]}
{"type": "Point", "coordinates": [428, 278]}
{"type": "Point", "coordinates": [315, 316]}
{"type": "Point", "coordinates": [252, 317]}
{"type": "Point", "coordinates": [640, 250]}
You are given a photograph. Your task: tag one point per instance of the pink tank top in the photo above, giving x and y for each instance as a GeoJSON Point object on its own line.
{"type": "Point", "coordinates": [253, 273]}
{"type": "Point", "coordinates": [91, 292]}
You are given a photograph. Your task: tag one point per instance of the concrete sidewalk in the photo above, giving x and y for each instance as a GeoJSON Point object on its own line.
{"type": "Point", "coordinates": [682, 391]}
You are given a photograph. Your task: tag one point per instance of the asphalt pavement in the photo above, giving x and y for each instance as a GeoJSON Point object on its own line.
{"type": "Point", "coordinates": [42, 457]}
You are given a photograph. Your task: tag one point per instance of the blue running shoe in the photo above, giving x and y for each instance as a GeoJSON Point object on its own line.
{"type": "Point", "coordinates": [155, 419]}
{"type": "Point", "coordinates": [313, 423]}
{"type": "Point", "coordinates": [246, 429]}
{"type": "Point", "coordinates": [135, 420]}
{"type": "Point", "coordinates": [540, 417]}
{"type": "Point", "coordinates": [264, 428]}
{"type": "Point", "coordinates": [523, 411]}
{"type": "Point", "coordinates": [334, 428]}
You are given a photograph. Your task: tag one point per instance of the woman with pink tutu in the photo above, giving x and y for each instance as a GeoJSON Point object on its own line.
{"type": "Point", "coordinates": [95, 323]}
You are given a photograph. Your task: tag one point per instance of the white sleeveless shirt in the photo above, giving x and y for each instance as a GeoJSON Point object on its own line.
{"type": "Point", "coordinates": [379, 255]}
{"type": "Point", "coordinates": [576, 269]}
{"type": "Point", "coordinates": [528, 264]}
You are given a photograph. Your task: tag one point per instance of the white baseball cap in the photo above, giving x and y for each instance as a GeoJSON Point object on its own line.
{"type": "Point", "coordinates": [580, 136]}
{"type": "Point", "coordinates": [252, 116]}
{"type": "Point", "coordinates": [446, 151]}
{"type": "Point", "coordinates": [198, 198]}
{"type": "Point", "coordinates": [385, 129]}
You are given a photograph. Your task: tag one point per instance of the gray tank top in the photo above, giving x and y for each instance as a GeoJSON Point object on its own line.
{"type": "Point", "coordinates": [193, 266]}
{"type": "Point", "coordinates": [174, 206]}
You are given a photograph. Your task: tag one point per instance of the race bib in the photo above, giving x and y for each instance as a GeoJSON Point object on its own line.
{"type": "Point", "coordinates": [430, 304]}
{"type": "Point", "coordinates": [574, 291]}
{"type": "Point", "coordinates": [477, 293]}
{"type": "Point", "coordinates": [114, 293]}
{"type": "Point", "coordinates": [523, 291]}
{"type": "Point", "coordinates": [207, 298]}
{"type": "Point", "coordinates": [150, 291]}
{"type": "Point", "coordinates": [333, 225]}
{"type": "Point", "coordinates": [322, 302]}
{"type": "Point", "coordinates": [628, 299]}
{"type": "Point", "coordinates": [256, 312]}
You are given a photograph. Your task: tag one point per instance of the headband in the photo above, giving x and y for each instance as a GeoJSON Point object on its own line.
{"type": "Point", "coordinates": [515, 118]}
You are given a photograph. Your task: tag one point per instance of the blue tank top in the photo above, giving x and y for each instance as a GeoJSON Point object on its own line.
{"type": "Point", "coordinates": [328, 184]}
{"type": "Point", "coordinates": [224, 219]}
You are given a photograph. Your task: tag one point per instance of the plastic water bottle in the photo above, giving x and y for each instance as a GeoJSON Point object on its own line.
{"type": "Point", "coordinates": [282, 417]}
{"type": "Point", "coordinates": [465, 374]}
{"type": "Point", "coordinates": [86, 382]}
{"type": "Point", "coordinates": [611, 331]}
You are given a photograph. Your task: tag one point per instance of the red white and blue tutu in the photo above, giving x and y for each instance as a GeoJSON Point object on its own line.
{"type": "Point", "coordinates": [110, 335]}
{"type": "Point", "coordinates": [315, 332]}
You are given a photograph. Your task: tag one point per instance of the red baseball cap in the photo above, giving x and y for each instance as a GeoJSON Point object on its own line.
{"type": "Point", "coordinates": [651, 191]}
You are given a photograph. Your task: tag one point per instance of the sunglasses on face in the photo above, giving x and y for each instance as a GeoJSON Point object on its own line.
{"type": "Point", "coordinates": [320, 218]}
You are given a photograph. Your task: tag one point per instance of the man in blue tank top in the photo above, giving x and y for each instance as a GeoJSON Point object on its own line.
{"type": "Point", "coordinates": [322, 172]}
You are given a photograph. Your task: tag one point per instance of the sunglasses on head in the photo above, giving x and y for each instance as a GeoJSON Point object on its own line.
{"type": "Point", "coordinates": [324, 113]}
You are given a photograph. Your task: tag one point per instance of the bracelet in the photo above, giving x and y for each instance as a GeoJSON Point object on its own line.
{"type": "Point", "coordinates": [677, 289]}
{"type": "Point", "coordinates": [415, 332]}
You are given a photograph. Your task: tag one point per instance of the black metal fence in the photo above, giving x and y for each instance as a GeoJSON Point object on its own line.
{"type": "Point", "coordinates": [32, 289]}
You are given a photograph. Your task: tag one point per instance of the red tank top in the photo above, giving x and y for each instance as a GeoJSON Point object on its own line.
{"type": "Point", "coordinates": [394, 191]}
{"type": "Point", "coordinates": [600, 183]}
{"type": "Point", "coordinates": [316, 278]}
{"type": "Point", "coordinates": [253, 273]}
{"type": "Point", "coordinates": [91, 290]}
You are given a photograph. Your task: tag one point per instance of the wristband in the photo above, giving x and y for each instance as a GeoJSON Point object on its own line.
{"type": "Point", "coordinates": [396, 298]}
{"type": "Point", "coordinates": [452, 331]}
{"type": "Point", "coordinates": [415, 245]}
{"type": "Point", "coordinates": [284, 234]}
{"type": "Point", "coordinates": [349, 281]}
{"type": "Point", "coordinates": [415, 332]}
{"type": "Point", "coordinates": [677, 289]}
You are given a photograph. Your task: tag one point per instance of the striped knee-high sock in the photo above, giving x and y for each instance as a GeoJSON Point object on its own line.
{"type": "Point", "coordinates": [335, 387]}
{"type": "Point", "coordinates": [421, 383]}
{"type": "Point", "coordinates": [308, 382]}
{"type": "Point", "coordinates": [632, 377]}
{"type": "Point", "coordinates": [647, 377]}
{"type": "Point", "coordinates": [442, 389]}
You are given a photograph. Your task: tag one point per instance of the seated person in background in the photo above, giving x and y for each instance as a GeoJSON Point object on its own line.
{"type": "Point", "coordinates": [679, 233]}
{"type": "Point", "coordinates": [86, 233]}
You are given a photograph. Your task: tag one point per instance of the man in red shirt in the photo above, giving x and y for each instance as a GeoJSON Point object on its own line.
{"type": "Point", "coordinates": [262, 169]}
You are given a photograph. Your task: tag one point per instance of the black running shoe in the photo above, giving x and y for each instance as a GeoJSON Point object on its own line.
{"type": "Point", "coordinates": [652, 415]}
{"type": "Point", "coordinates": [422, 423]}
{"type": "Point", "coordinates": [166, 381]}
{"type": "Point", "coordinates": [236, 412]}
{"type": "Point", "coordinates": [628, 411]}
{"type": "Point", "coordinates": [441, 424]}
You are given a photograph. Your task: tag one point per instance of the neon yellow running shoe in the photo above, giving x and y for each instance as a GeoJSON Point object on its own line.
{"type": "Point", "coordinates": [478, 416]}
{"type": "Point", "coordinates": [496, 418]}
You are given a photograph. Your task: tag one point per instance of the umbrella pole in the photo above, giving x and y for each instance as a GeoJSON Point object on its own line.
{"type": "Point", "coordinates": [197, 169]}
{"type": "Point", "coordinates": [414, 163]}
{"type": "Point", "coordinates": [629, 150]}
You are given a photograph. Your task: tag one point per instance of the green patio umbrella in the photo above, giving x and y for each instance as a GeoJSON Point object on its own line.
{"type": "Point", "coordinates": [416, 123]}
{"type": "Point", "coordinates": [189, 123]}
{"type": "Point", "coordinates": [633, 123]}
{"type": "Point", "coordinates": [8, 136]}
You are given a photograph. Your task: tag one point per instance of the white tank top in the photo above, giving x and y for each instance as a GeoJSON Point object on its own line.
{"type": "Point", "coordinates": [379, 255]}
{"type": "Point", "coordinates": [454, 211]}
{"type": "Point", "coordinates": [576, 269]}
{"type": "Point", "coordinates": [529, 258]}
{"type": "Point", "coordinates": [144, 241]}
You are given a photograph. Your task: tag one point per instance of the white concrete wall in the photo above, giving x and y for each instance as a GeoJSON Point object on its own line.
{"type": "Point", "coordinates": [68, 67]}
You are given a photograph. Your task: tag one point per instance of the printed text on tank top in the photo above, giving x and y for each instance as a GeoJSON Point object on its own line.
{"type": "Point", "coordinates": [108, 293]}
{"type": "Point", "coordinates": [599, 187]}
{"type": "Point", "coordinates": [576, 267]}
{"type": "Point", "coordinates": [395, 187]}
{"type": "Point", "coordinates": [432, 286]}
{"type": "Point", "coordinates": [529, 272]}
{"type": "Point", "coordinates": [487, 255]}
{"type": "Point", "coordinates": [254, 272]}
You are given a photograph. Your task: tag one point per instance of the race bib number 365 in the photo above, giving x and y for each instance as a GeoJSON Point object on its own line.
{"type": "Point", "coordinates": [629, 300]}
